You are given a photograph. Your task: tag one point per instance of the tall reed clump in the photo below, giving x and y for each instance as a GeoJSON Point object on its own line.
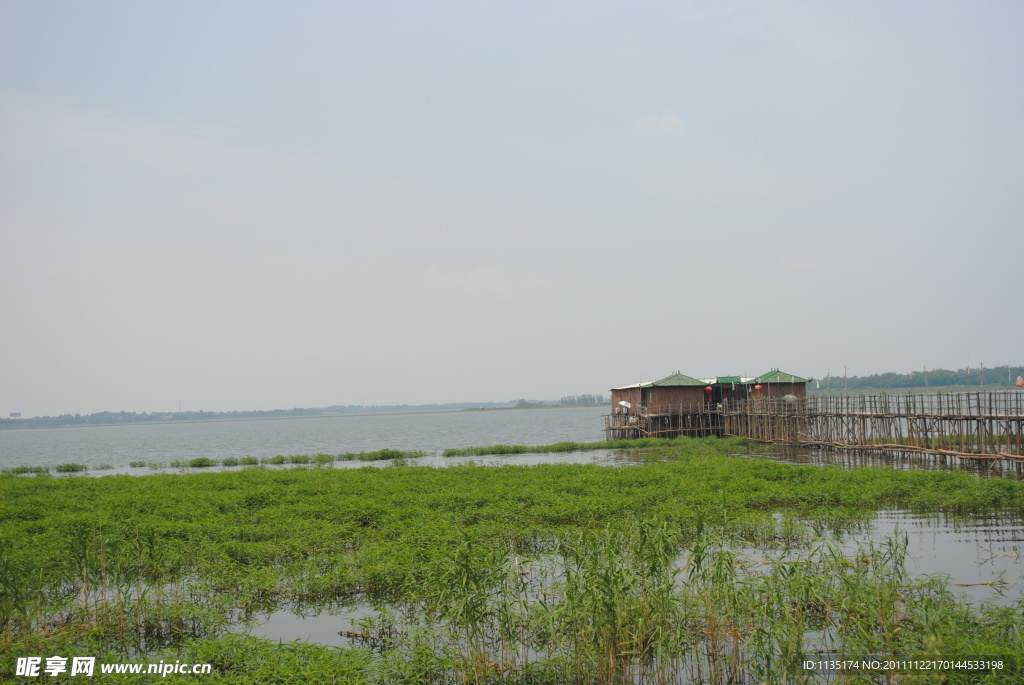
{"type": "Point", "coordinates": [127, 592]}
{"type": "Point", "coordinates": [380, 455]}
{"type": "Point", "coordinates": [696, 568]}
{"type": "Point", "coordinates": [469, 590]}
{"type": "Point", "coordinates": [619, 611]}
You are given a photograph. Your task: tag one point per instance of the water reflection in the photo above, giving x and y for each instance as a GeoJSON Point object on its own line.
{"type": "Point", "coordinates": [818, 456]}
{"type": "Point", "coordinates": [616, 457]}
{"type": "Point", "coordinates": [980, 558]}
{"type": "Point", "coordinates": [332, 626]}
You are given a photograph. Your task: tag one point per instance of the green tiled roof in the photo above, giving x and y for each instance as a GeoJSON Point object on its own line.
{"type": "Point", "coordinates": [677, 379]}
{"type": "Point", "coordinates": [776, 376]}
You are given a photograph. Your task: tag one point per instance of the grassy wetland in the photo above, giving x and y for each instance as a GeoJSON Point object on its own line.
{"type": "Point", "coordinates": [692, 566]}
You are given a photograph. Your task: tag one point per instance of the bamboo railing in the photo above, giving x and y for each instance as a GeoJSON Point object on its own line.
{"type": "Point", "coordinates": [963, 425]}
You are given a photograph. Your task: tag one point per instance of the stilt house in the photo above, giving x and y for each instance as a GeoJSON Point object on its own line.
{"type": "Point", "coordinates": [677, 390]}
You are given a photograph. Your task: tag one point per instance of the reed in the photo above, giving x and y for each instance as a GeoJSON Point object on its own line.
{"type": "Point", "coordinates": [693, 567]}
{"type": "Point", "coordinates": [636, 444]}
{"type": "Point", "coordinates": [24, 470]}
{"type": "Point", "coordinates": [380, 455]}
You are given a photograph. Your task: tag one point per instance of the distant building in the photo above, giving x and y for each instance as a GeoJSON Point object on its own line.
{"type": "Point", "coordinates": [777, 383]}
{"type": "Point", "coordinates": [677, 390]}
{"type": "Point", "coordinates": [683, 405]}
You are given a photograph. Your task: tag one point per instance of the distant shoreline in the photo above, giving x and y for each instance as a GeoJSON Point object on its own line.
{"type": "Point", "coordinates": [45, 423]}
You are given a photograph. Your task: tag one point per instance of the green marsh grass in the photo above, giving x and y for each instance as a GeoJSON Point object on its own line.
{"type": "Point", "coordinates": [380, 455]}
{"type": "Point", "coordinates": [24, 470]}
{"type": "Point", "coordinates": [137, 464]}
{"type": "Point", "coordinates": [70, 468]}
{"type": "Point", "coordinates": [632, 445]}
{"type": "Point", "coordinates": [694, 566]}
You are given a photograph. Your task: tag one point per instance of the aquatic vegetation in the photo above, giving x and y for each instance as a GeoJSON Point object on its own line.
{"type": "Point", "coordinates": [230, 461]}
{"type": "Point", "coordinates": [70, 468]}
{"type": "Point", "coordinates": [202, 462]}
{"type": "Point", "coordinates": [380, 455]}
{"type": "Point", "coordinates": [137, 464]}
{"type": "Point", "coordinates": [694, 566]}
{"type": "Point", "coordinates": [248, 461]}
{"type": "Point", "coordinates": [23, 470]}
{"type": "Point", "coordinates": [637, 444]}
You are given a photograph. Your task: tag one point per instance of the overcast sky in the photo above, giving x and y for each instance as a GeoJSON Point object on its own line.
{"type": "Point", "coordinates": [256, 205]}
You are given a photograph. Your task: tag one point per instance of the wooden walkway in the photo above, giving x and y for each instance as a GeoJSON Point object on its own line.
{"type": "Point", "coordinates": [951, 426]}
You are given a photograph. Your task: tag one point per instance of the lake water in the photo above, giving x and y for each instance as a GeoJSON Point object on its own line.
{"type": "Point", "coordinates": [982, 559]}
{"type": "Point", "coordinates": [117, 446]}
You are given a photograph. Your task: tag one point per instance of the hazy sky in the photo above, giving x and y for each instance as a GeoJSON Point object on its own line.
{"type": "Point", "coordinates": [255, 205]}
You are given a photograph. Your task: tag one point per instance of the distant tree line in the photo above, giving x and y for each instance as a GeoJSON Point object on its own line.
{"type": "Point", "coordinates": [530, 404]}
{"type": "Point", "coordinates": [125, 417]}
{"type": "Point", "coordinates": [584, 399]}
{"type": "Point", "coordinates": [995, 377]}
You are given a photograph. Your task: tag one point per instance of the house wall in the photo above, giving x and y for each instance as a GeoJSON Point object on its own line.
{"type": "Point", "coordinates": [631, 395]}
{"type": "Point", "coordinates": [774, 390]}
{"type": "Point", "coordinates": [693, 396]}
{"type": "Point", "coordinates": [675, 396]}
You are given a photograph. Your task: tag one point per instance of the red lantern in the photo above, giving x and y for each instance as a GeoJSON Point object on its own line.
{"type": "Point", "coordinates": [707, 389]}
{"type": "Point", "coordinates": [1020, 382]}
{"type": "Point", "coordinates": [757, 387]}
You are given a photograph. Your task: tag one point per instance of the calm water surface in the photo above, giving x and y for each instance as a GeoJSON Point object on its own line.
{"type": "Point", "coordinates": [980, 557]}
{"type": "Point", "coordinates": [117, 446]}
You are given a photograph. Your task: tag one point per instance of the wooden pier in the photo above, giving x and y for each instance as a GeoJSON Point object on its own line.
{"type": "Point", "coordinates": [985, 426]}
{"type": "Point", "coordinates": [693, 420]}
